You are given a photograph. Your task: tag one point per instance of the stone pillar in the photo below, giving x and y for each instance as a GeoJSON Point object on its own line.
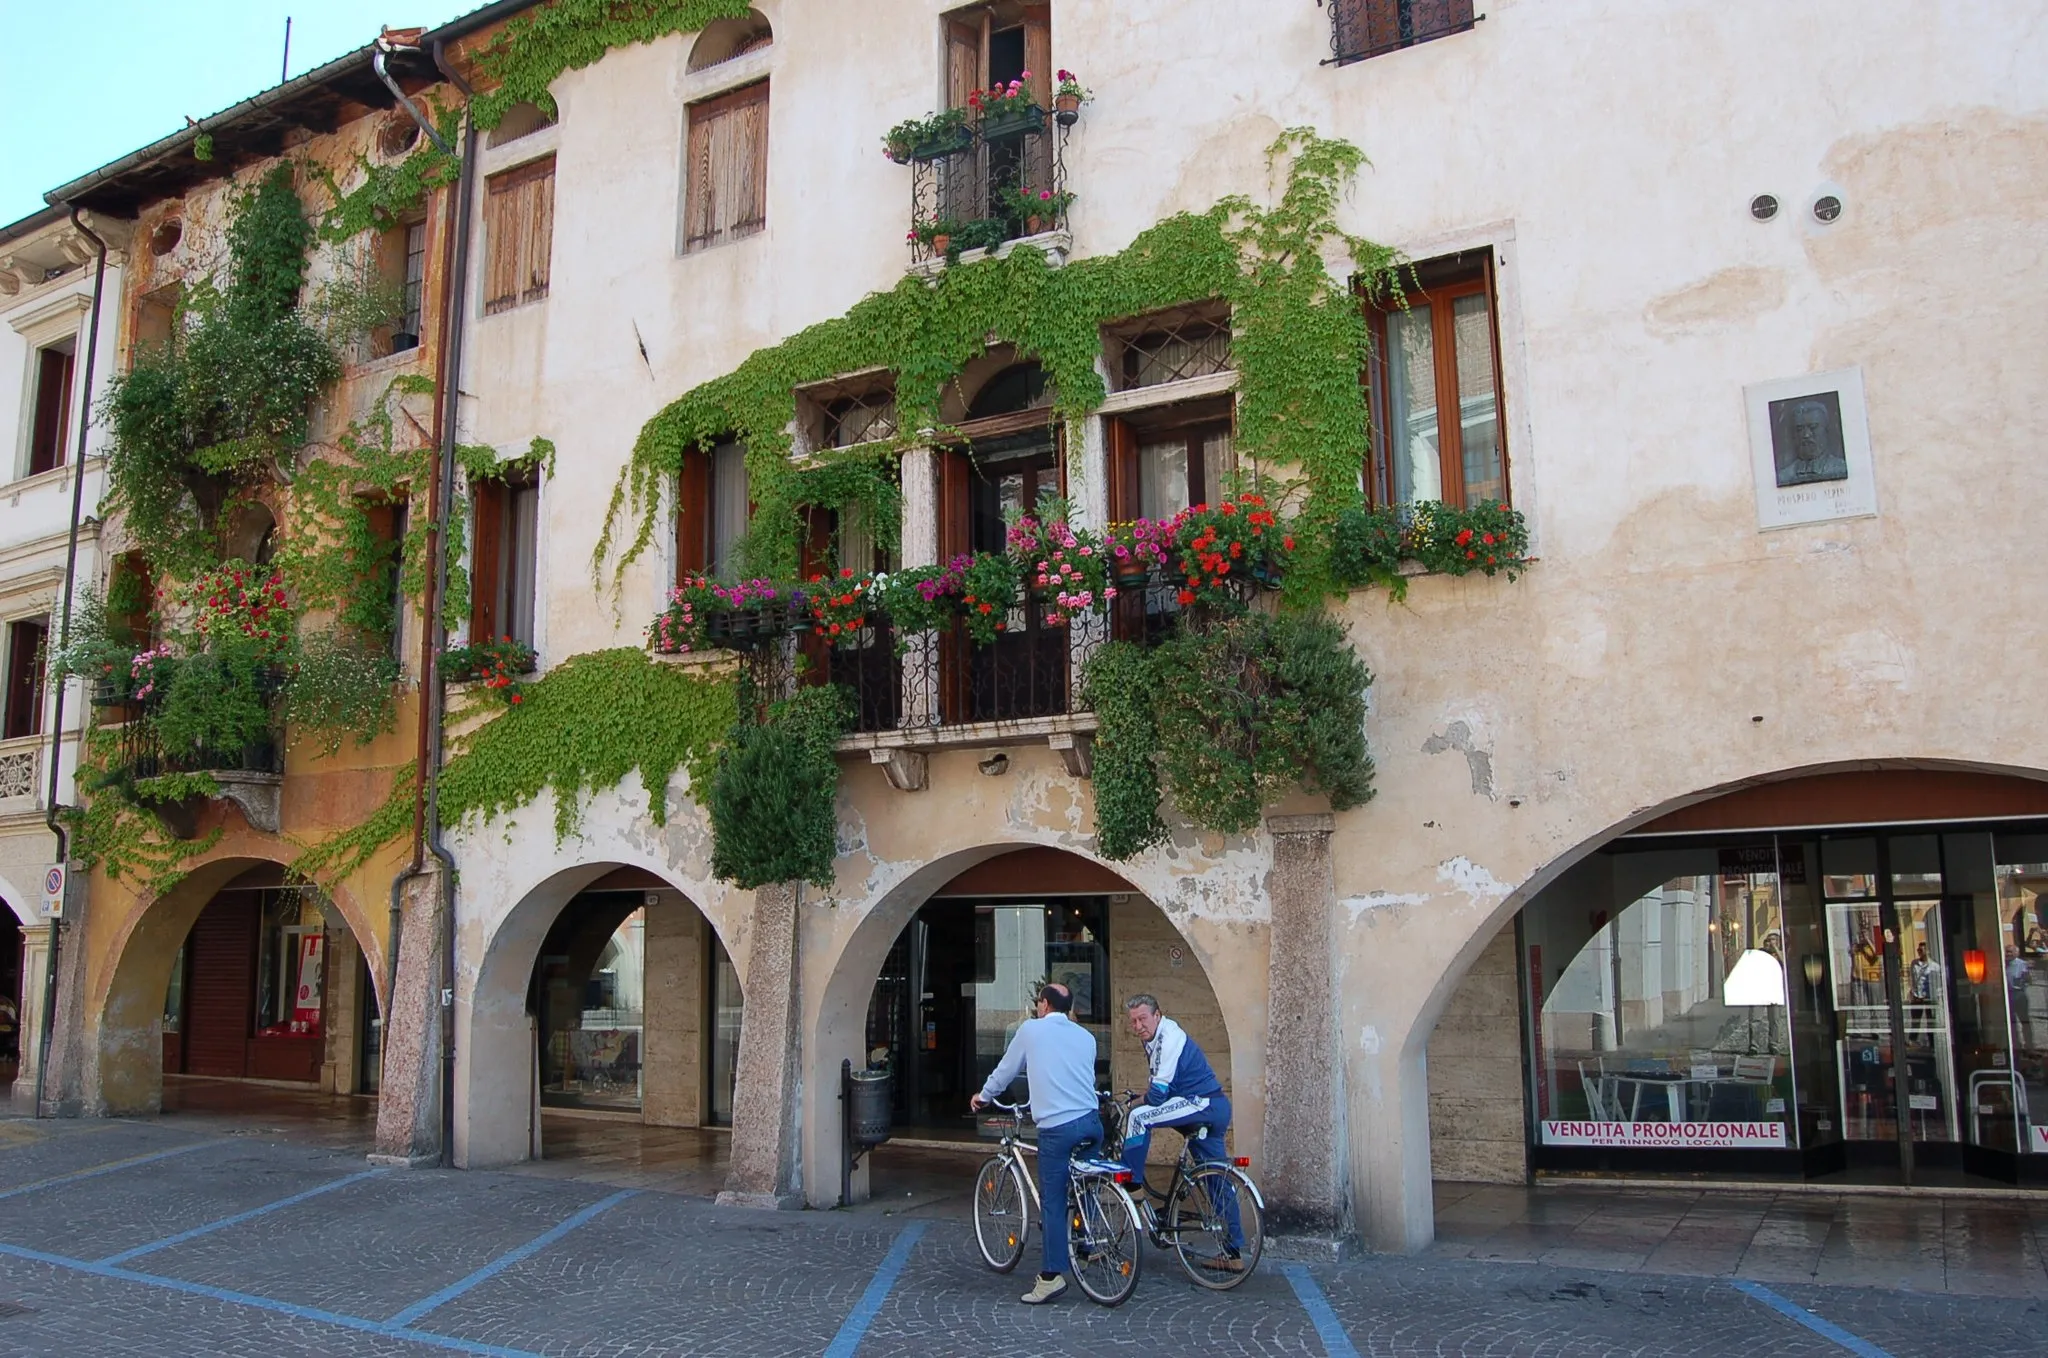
{"type": "Point", "coordinates": [71, 1084]}
{"type": "Point", "coordinates": [764, 1170]}
{"type": "Point", "coordinates": [672, 1026]}
{"type": "Point", "coordinates": [1301, 1177]}
{"type": "Point", "coordinates": [409, 1098]}
{"type": "Point", "coordinates": [343, 1012]}
{"type": "Point", "coordinates": [35, 963]}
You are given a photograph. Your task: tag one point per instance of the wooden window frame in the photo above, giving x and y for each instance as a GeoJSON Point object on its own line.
{"type": "Point", "coordinates": [1441, 283]}
{"type": "Point", "coordinates": [696, 549]}
{"type": "Point", "coordinates": [490, 521]}
{"type": "Point", "coordinates": [698, 202]}
{"type": "Point", "coordinates": [508, 251]}
{"type": "Point", "coordinates": [50, 398]}
{"type": "Point", "coordinates": [23, 696]}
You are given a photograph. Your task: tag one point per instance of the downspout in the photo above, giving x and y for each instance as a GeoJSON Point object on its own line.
{"type": "Point", "coordinates": [441, 495]}
{"type": "Point", "coordinates": [51, 809]}
{"type": "Point", "coordinates": [457, 283]}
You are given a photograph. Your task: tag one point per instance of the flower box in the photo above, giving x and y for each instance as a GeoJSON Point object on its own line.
{"type": "Point", "coordinates": [950, 143]}
{"type": "Point", "coordinates": [749, 627]}
{"type": "Point", "coordinates": [1004, 126]}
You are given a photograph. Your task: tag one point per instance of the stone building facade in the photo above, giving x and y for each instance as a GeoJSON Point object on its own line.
{"type": "Point", "coordinates": [1666, 240]}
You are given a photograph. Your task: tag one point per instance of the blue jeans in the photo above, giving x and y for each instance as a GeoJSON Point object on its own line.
{"type": "Point", "coordinates": [1056, 1147]}
{"type": "Point", "coordinates": [1215, 1117]}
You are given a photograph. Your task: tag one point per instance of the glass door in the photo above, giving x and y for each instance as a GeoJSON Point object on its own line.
{"type": "Point", "coordinates": [1921, 1052]}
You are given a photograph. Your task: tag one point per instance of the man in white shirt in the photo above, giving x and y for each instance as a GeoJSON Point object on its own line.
{"type": "Point", "coordinates": [1058, 1056]}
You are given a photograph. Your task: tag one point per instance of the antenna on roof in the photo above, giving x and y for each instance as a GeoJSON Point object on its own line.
{"type": "Point", "coordinates": [284, 70]}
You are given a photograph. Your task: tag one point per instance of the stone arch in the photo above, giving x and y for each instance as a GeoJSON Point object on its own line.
{"type": "Point", "coordinates": [127, 1062]}
{"type": "Point", "coordinates": [1513, 902]}
{"type": "Point", "coordinates": [973, 388]}
{"type": "Point", "coordinates": [1419, 957]}
{"type": "Point", "coordinates": [19, 902]}
{"type": "Point", "coordinates": [835, 1003]}
{"type": "Point", "coordinates": [493, 1096]}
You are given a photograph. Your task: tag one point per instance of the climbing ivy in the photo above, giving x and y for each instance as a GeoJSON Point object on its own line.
{"type": "Point", "coordinates": [116, 830]}
{"type": "Point", "coordinates": [1299, 346]}
{"type": "Point", "coordinates": [389, 193]}
{"type": "Point", "coordinates": [581, 727]}
{"type": "Point", "coordinates": [532, 50]}
{"type": "Point", "coordinates": [772, 798]}
{"type": "Point", "coordinates": [1226, 715]}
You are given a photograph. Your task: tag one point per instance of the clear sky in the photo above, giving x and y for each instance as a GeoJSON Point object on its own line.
{"type": "Point", "coordinates": [83, 82]}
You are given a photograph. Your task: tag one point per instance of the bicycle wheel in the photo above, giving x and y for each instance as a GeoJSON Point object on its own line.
{"type": "Point", "coordinates": [1198, 1220]}
{"type": "Point", "coordinates": [1103, 1240]}
{"type": "Point", "coordinates": [1002, 1214]}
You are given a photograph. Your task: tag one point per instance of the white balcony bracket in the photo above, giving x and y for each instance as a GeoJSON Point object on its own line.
{"type": "Point", "coordinates": [905, 769]}
{"type": "Point", "coordinates": [1076, 750]}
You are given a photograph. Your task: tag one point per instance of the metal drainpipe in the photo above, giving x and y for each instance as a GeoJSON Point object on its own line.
{"type": "Point", "coordinates": [426, 824]}
{"type": "Point", "coordinates": [51, 809]}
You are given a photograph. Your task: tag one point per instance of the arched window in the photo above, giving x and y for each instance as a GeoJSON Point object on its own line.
{"type": "Point", "coordinates": [724, 39]}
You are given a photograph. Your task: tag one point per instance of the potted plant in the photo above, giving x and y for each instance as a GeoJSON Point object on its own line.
{"type": "Point", "coordinates": [944, 133]}
{"type": "Point", "coordinates": [493, 662]}
{"type": "Point", "coordinates": [984, 233]}
{"type": "Point", "coordinates": [934, 233]}
{"type": "Point", "coordinates": [839, 607]}
{"type": "Point", "coordinates": [751, 612]}
{"type": "Point", "coordinates": [921, 599]}
{"type": "Point", "coordinates": [1220, 547]}
{"type": "Point", "coordinates": [1065, 567]}
{"type": "Point", "coordinates": [1007, 110]}
{"type": "Point", "coordinates": [1035, 210]}
{"type": "Point", "coordinates": [988, 591]}
{"type": "Point", "coordinates": [1067, 98]}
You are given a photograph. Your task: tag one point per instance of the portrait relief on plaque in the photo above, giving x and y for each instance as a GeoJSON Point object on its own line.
{"type": "Point", "coordinates": [1806, 439]}
{"type": "Point", "coordinates": [1810, 449]}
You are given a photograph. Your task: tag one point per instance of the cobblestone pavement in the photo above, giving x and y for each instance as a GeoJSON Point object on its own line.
{"type": "Point", "coordinates": [172, 1238]}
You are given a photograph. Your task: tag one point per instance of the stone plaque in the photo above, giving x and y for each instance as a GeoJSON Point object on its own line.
{"type": "Point", "coordinates": [1809, 441]}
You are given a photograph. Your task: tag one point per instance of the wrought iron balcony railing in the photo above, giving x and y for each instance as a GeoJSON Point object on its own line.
{"type": "Point", "coordinates": [1002, 179]}
{"type": "Point", "coordinates": [1369, 28]}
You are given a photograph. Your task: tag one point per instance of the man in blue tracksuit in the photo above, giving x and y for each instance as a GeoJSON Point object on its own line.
{"type": "Point", "coordinates": [1183, 1092]}
{"type": "Point", "coordinates": [1058, 1055]}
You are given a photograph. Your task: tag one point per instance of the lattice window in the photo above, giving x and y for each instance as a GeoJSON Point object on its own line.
{"type": "Point", "coordinates": [849, 411]}
{"type": "Point", "coordinates": [1169, 346]}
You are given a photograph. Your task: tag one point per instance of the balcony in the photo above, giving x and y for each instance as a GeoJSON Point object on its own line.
{"type": "Point", "coordinates": [1360, 29]}
{"type": "Point", "coordinates": [251, 774]}
{"type": "Point", "coordinates": [995, 180]}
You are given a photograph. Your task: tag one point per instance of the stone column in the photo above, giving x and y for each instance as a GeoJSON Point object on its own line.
{"type": "Point", "coordinates": [672, 1026]}
{"type": "Point", "coordinates": [343, 1011]}
{"type": "Point", "coordinates": [35, 963]}
{"type": "Point", "coordinates": [764, 1170]}
{"type": "Point", "coordinates": [409, 1097]}
{"type": "Point", "coordinates": [1301, 1177]}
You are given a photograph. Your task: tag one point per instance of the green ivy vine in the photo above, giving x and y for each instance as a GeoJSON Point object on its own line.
{"type": "Point", "coordinates": [582, 727]}
{"type": "Point", "coordinates": [389, 193]}
{"type": "Point", "coordinates": [532, 50]}
{"type": "Point", "coordinates": [1299, 345]}
{"type": "Point", "coordinates": [773, 817]}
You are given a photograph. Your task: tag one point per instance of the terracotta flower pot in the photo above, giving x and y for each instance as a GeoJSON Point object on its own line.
{"type": "Point", "coordinates": [939, 244]}
{"type": "Point", "coordinates": [1067, 108]}
{"type": "Point", "coordinates": [1033, 225]}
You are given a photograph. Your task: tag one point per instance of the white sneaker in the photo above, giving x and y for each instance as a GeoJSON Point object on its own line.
{"type": "Point", "coordinates": [1044, 1290]}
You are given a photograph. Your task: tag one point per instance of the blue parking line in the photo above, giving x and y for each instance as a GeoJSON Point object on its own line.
{"type": "Point", "coordinates": [283, 1308]}
{"type": "Point", "coordinates": [1821, 1326]}
{"type": "Point", "coordinates": [870, 1304]}
{"type": "Point", "coordinates": [108, 1168]}
{"type": "Point", "coordinates": [210, 1227]}
{"type": "Point", "coordinates": [1329, 1329]}
{"type": "Point", "coordinates": [505, 1261]}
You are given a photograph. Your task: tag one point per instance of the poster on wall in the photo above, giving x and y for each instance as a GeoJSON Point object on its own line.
{"type": "Point", "coordinates": [1809, 441]}
{"type": "Point", "coordinates": [1666, 1135]}
{"type": "Point", "coordinates": [306, 995]}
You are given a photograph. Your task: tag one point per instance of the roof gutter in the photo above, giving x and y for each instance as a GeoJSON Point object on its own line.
{"type": "Point", "coordinates": [180, 140]}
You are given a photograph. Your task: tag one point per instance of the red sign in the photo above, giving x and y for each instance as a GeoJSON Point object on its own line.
{"type": "Point", "coordinates": [306, 997]}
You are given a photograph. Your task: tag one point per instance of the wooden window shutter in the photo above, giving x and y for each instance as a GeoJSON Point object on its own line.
{"type": "Point", "coordinates": [1500, 393]}
{"type": "Point", "coordinates": [1038, 51]}
{"type": "Point", "coordinates": [693, 515]}
{"type": "Point", "coordinates": [956, 493]}
{"type": "Point", "coordinates": [540, 234]}
{"type": "Point", "coordinates": [1123, 472]}
{"type": "Point", "coordinates": [963, 61]}
{"type": "Point", "coordinates": [52, 410]}
{"type": "Point", "coordinates": [727, 195]}
{"type": "Point", "coordinates": [487, 517]}
{"type": "Point", "coordinates": [519, 232]}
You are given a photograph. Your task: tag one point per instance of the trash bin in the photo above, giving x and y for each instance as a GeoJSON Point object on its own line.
{"type": "Point", "coordinates": [868, 1101]}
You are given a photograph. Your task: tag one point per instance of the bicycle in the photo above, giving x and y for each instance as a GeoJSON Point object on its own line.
{"type": "Point", "coordinates": [1199, 1202]}
{"type": "Point", "coordinates": [1104, 1228]}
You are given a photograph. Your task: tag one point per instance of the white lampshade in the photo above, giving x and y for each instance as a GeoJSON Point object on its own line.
{"type": "Point", "coordinates": [1757, 978]}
